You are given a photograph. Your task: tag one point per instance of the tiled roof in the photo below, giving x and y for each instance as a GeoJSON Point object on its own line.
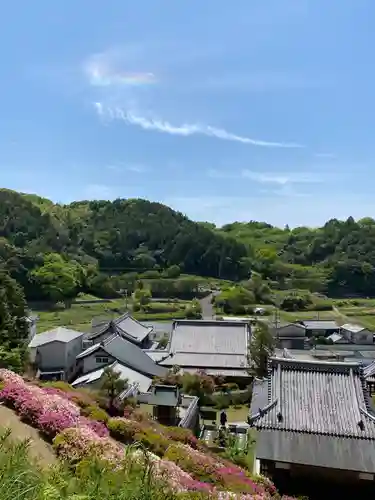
{"type": "Point", "coordinates": [126, 326]}
{"type": "Point", "coordinates": [59, 334]}
{"type": "Point", "coordinates": [315, 413]}
{"type": "Point", "coordinates": [317, 397]}
{"type": "Point", "coordinates": [128, 354]}
{"type": "Point", "coordinates": [205, 360]}
{"type": "Point", "coordinates": [126, 373]}
{"type": "Point", "coordinates": [369, 370]}
{"type": "Point", "coordinates": [320, 325]}
{"type": "Point", "coordinates": [215, 337]}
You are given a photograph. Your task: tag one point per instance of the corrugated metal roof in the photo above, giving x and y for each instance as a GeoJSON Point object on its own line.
{"type": "Point", "coordinates": [335, 337]}
{"type": "Point", "coordinates": [351, 327]}
{"type": "Point", "coordinates": [320, 324]}
{"type": "Point", "coordinates": [126, 373]}
{"type": "Point", "coordinates": [59, 334]}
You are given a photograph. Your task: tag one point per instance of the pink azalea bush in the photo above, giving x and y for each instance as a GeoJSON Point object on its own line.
{"type": "Point", "coordinates": [48, 409]}
{"type": "Point", "coordinates": [210, 469]}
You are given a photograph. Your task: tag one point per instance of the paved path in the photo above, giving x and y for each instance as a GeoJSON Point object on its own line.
{"type": "Point", "coordinates": [207, 307]}
{"type": "Point", "coordinates": [39, 449]}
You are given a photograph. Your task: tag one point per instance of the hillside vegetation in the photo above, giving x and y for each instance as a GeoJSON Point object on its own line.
{"type": "Point", "coordinates": [103, 457]}
{"type": "Point", "coordinates": [100, 247]}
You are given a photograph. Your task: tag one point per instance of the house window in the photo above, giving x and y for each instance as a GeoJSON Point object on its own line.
{"type": "Point", "coordinates": [102, 359]}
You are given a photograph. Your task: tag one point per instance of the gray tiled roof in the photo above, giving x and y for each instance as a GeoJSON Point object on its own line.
{"type": "Point", "coordinates": [317, 397]}
{"type": "Point", "coordinates": [125, 325]}
{"type": "Point", "coordinates": [320, 324]}
{"type": "Point", "coordinates": [205, 360]}
{"type": "Point", "coordinates": [215, 337]}
{"type": "Point", "coordinates": [128, 354]}
{"type": "Point", "coordinates": [125, 372]}
{"type": "Point", "coordinates": [317, 413]}
{"type": "Point", "coordinates": [59, 334]}
{"type": "Point", "coordinates": [369, 370]}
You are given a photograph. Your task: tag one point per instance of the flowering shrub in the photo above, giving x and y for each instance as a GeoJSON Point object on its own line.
{"type": "Point", "coordinates": [181, 435]}
{"type": "Point", "coordinates": [124, 430]}
{"type": "Point", "coordinates": [98, 427]}
{"type": "Point", "coordinates": [78, 443]}
{"type": "Point", "coordinates": [78, 436]}
{"type": "Point", "coordinates": [8, 376]}
{"type": "Point", "coordinates": [95, 413]}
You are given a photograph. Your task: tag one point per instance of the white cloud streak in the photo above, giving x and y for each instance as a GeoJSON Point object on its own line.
{"type": "Point", "coordinates": [186, 129]}
{"type": "Point", "coordinates": [280, 179]}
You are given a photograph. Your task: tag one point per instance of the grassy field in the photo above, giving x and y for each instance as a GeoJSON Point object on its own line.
{"type": "Point", "coordinates": [79, 316]}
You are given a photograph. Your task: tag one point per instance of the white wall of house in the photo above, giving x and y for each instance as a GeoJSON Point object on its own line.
{"type": "Point", "coordinates": [95, 360]}
{"type": "Point", "coordinates": [58, 355]}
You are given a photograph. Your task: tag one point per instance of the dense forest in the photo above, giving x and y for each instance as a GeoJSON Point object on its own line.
{"type": "Point", "coordinates": [55, 251]}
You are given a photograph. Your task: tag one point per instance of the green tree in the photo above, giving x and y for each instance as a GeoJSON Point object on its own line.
{"type": "Point", "coordinates": [262, 345]}
{"type": "Point", "coordinates": [194, 310]}
{"type": "Point", "coordinates": [172, 272]}
{"type": "Point", "coordinates": [59, 279]}
{"type": "Point", "coordinates": [112, 385]}
{"type": "Point", "coordinates": [14, 329]}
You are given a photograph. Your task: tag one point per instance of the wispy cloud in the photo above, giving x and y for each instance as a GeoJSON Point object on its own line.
{"type": "Point", "coordinates": [280, 179]}
{"type": "Point", "coordinates": [108, 69]}
{"type": "Point", "coordinates": [185, 130]}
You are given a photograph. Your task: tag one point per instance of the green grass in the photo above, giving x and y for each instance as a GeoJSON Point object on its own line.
{"type": "Point", "coordinates": [79, 316]}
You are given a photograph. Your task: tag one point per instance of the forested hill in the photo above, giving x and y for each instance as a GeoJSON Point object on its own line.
{"type": "Point", "coordinates": [88, 240]}
{"type": "Point", "coordinates": [338, 258]}
{"type": "Point", "coordinates": [102, 236]}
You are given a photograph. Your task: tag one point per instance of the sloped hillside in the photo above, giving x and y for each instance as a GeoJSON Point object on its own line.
{"type": "Point", "coordinates": [121, 235]}
{"type": "Point", "coordinates": [169, 459]}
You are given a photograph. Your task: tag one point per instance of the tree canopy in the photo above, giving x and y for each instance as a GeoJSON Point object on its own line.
{"type": "Point", "coordinates": [14, 329]}
{"type": "Point", "coordinates": [56, 251]}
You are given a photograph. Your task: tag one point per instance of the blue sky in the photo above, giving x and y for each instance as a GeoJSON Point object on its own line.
{"type": "Point", "coordinates": [253, 109]}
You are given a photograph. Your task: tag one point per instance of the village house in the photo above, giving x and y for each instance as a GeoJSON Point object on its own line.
{"type": "Point", "coordinates": [136, 381]}
{"type": "Point", "coordinates": [356, 334]}
{"type": "Point", "coordinates": [289, 335]}
{"type": "Point", "coordinates": [220, 348]}
{"type": "Point", "coordinates": [125, 326]}
{"type": "Point", "coordinates": [320, 328]}
{"type": "Point", "coordinates": [117, 348]}
{"type": "Point", "coordinates": [316, 428]}
{"type": "Point", "coordinates": [53, 353]}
